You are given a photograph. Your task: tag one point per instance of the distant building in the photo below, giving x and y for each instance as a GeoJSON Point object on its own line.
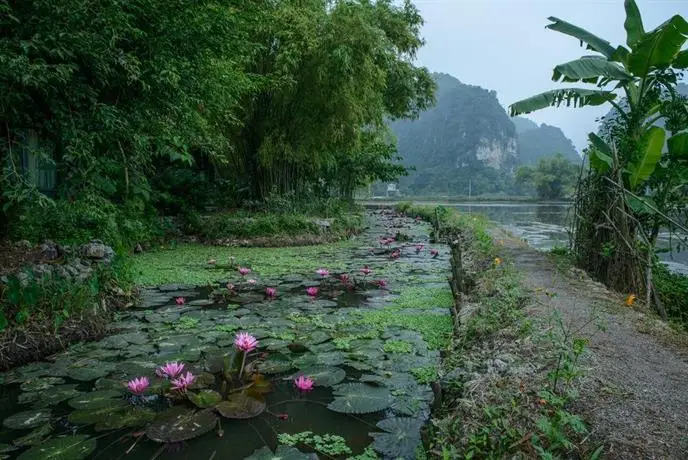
{"type": "Point", "coordinates": [392, 189]}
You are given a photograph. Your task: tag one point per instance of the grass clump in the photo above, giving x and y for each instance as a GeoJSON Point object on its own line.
{"type": "Point", "coordinates": [397, 346]}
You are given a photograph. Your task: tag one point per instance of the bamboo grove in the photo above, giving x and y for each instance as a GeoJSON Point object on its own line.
{"type": "Point", "coordinates": [152, 105]}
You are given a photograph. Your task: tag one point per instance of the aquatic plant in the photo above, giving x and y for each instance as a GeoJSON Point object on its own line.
{"type": "Point", "coordinates": [434, 252]}
{"type": "Point", "coordinates": [251, 281]}
{"type": "Point", "coordinates": [382, 284]}
{"type": "Point", "coordinates": [182, 382]}
{"type": "Point", "coordinates": [419, 247]}
{"type": "Point", "coordinates": [323, 272]}
{"type": "Point", "coordinates": [180, 300]}
{"type": "Point", "coordinates": [245, 342]}
{"type": "Point", "coordinates": [138, 385]}
{"type": "Point", "coordinates": [304, 383]}
{"type": "Point", "coordinates": [170, 370]}
{"type": "Point", "coordinates": [344, 278]}
{"type": "Point", "coordinates": [395, 254]}
{"type": "Point", "coordinates": [312, 291]}
{"type": "Point", "coordinates": [270, 292]}
{"type": "Point", "coordinates": [366, 270]}
{"type": "Point", "coordinates": [243, 271]}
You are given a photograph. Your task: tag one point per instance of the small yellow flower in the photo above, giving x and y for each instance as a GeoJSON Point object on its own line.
{"type": "Point", "coordinates": [501, 242]}
{"type": "Point", "coordinates": [498, 261]}
{"type": "Point", "coordinates": [630, 300]}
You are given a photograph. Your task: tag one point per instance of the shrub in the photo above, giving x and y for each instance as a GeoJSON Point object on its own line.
{"type": "Point", "coordinates": [672, 289]}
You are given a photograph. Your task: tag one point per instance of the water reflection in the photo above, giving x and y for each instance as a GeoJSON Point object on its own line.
{"type": "Point", "coordinates": [544, 226]}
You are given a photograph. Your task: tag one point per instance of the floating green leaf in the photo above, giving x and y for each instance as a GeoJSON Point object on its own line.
{"type": "Point", "coordinates": [241, 406]}
{"type": "Point", "coordinates": [322, 376]}
{"type": "Point", "coordinates": [28, 419]}
{"type": "Point", "coordinates": [40, 384]}
{"type": "Point", "coordinates": [132, 417]}
{"type": "Point", "coordinates": [360, 398]}
{"type": "Point", "coordinates": [401, 438]}
{"type": "Point", "coordinates": [282, 453]}
{"type": "Point", "coordinates": [35, 437]}
{"type": "Point", "coordinates": [179, 424]}
{"type": "Point", "coordinates": [204, 398]}
{"type": "Point", "coordinates": [92, 416]}
{"type": "Point", "coordinates": [65, 448]}
{"type": "Point", "coordinates": [95, 399]}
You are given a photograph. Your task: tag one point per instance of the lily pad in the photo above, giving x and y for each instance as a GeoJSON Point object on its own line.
{"type": "Point", "coordinates": [92, 416]}
{"type": "Point", "coordinates": [241, 406]}
{"type": "Point", "coordinates": [359, 398]}
{"type": "Point", "coordinates": [204, 398]}
{"type": "Point", "coordinates": [179, 424]}
{"type": "Point", "coordinates": [28, 419]}
{"type": "Point", "coordinates": [322, 376]}
{"type": "Point", "coordinates": [35, 437]}
{"type": "Point", "coordinates": [401, 438]}
{"type": "Point", "coordinates": [91, 371]}
{"type": "Point", "coordinates": [133, 417]}
{"type": "Point", "coordinates": [65, 448]}
{"type": "Point", "coordinates": [95, 399]}
{"type": "Point", "coordinates": [282, 453]}
{"type": "Point", "coordinates": [40, 384]}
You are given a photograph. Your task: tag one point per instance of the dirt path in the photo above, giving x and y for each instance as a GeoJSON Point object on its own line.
{"type": "Point", "coordinates": [634, 396]}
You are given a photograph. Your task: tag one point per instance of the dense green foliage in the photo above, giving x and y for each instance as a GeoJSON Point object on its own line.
{"type": "Point", "coordinates": [446, 142]}
{"type": "Point", "coordinates": [150, 107]}
{"type": "Point", "coordinates": [553, 178]}
{"type": "Point", "coordinates": [535, 142]}
{"type": "Point", "coordinates": [635, 186]}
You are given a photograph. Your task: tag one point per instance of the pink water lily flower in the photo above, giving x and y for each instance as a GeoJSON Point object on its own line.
{"type": "Point", "coordinates": [344, 278]}
{"type": "Point", "coordinates": [419, 247]}
{"type": "Point", "coordinates": [312, 291]}
{"type": "Point", "coordinates": [271, 292]}
{"type": "Point", "coordinates": [138, 385]}
{"type": "Point", "coordinates": [251, 281]}
{"type": "Point", "coordinates": [183, 381]}
{"type": "Point", "coordinates": [382, 284]}
{"type": "Point", "coordinates": [170, 370]}
{"type": "Point", "coordinates": [304, 383]}
{"type": "Point", "coordinates": [245, 342]}
{"type": "Point", "coordinates": [395, 254]}
{"type": "Point", "coordinates": [434, 252]}
{"type": "Point", "coordinates": [243, 271]}
{"type": "Point", "coordinates": [366, 270]}
{"type": "Point", "coordinates": [180, 300]}
{"type": "Point", "coordinates": [323, 272]}
{"type": "Point", "coordinates": [230, 286]}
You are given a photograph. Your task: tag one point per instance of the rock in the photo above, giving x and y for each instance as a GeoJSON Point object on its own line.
{"type": "Point", "coordinates": [42, 270]}
{"type": "Point", "coordinates": [138, 249]}
{"type": "Point", "coordinates": [496, 366]}
{"type": "Point", "coordinates": [97, 250]}
{"type": "Point", "coordinates": [323, 224]}
{"type": "Point", "coordinates": [23, 244]}
{"type": "Point", "coordinates": [49, 250]}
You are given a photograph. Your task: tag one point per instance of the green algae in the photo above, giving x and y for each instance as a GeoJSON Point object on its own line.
{"type": "Point", "coordinates": [188, 263]}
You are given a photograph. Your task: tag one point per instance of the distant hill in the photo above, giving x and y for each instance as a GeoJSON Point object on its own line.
{"type": "Point", "coordinates": [535, 142]}
{"type": "Point", "coordinates": [466, 136]}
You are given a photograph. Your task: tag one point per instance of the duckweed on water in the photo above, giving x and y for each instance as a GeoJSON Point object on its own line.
{"type": "Point", "coordinates": [188, 263]}
{"type": "Point", "coordinates": [397, 346]}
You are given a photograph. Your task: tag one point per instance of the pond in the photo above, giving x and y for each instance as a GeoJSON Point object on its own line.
{"type": "Point", "coordinates": [544, 225]}
{"type": "Point", "coordinates": [366, 341]}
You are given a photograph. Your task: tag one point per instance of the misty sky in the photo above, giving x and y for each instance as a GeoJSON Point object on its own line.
{"type": "Point", "coordinates": [504, 46]}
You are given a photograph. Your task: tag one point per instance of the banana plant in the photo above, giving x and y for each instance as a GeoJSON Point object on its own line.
{"type": "Point", "coordinates": [643, 70]}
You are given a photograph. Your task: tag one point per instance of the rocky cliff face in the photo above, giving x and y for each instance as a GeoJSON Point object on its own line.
{"type": "Point", "coordinates": [466, 137]}
{"type": "Point", "coordinates": [535, 142]}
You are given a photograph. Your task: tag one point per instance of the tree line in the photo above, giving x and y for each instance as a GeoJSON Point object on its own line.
{"type": "Point", "coordinates": [155, 106]}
